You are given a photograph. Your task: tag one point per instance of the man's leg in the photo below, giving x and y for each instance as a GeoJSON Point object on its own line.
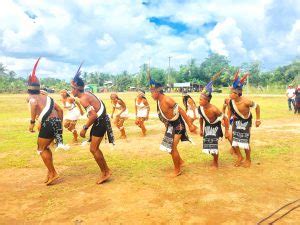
{"type": "Point", "coordinates": [239, 156]}
{"type": "Point", "coordinates": [215, 163]}
{"type": "Point", "coordinates": [46, 154]}
{"type": "Point", "coordinates": [247, 162]}
{"type": "Point", "coordinates": [289, 104]}
{"type": "Point", "coordinates": [98, 155]}
{"type": "Point", "coordinates": [175, 155]}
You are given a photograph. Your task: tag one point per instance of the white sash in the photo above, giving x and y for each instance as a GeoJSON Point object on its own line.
{"type": "Point", "coordinates": [204, 115]}
{"type": "Point", "coordinates": [238, 112]}
{"type": "Point", "coordinates": [173, 119]}
{"type": "Point", "coordinates": [45, 109]}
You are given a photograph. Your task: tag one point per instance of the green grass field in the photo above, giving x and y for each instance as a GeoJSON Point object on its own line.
{"type": "Point", "coordinates": [140, 191]}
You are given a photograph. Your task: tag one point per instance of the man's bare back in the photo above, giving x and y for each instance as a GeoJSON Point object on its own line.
{"type": "Point", "coordinates": [39, 103]}
{"type": "Point", "coordinates": [166, 105]}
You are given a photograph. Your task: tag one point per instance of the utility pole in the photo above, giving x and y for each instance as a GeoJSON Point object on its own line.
{"type": "Point", "coordinates": [169, 74]}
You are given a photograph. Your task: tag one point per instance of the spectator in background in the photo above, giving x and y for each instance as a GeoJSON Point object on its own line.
{"type": "Point", "coordinates": [290, 93]}
{"type": "Point", "coordinates": [297, 100]}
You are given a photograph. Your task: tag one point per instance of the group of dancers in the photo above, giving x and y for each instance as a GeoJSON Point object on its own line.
{"type": "Point", "coordinates": [237, 121]}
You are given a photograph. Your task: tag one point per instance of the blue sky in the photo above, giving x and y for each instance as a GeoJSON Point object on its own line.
{"type": "Point", "coordinates": [112, 36]}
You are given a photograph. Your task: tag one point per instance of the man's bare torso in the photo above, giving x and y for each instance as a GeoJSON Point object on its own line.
{"type": "Point", "coordinates": [89, 99]}
{"type": "Point", "coordinates": [243, 105]}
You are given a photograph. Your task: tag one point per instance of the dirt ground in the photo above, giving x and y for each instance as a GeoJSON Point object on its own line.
{"type": "Point", "coordinates": [141, 191]}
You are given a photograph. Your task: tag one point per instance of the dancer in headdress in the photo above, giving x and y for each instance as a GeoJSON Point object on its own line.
{"type": "Point", "coordinates": [173, 116]}
{"type": "Point", "coordinates": [74, 112]}
{"type": "Point", "coordinates": [240, 107]}
{"type": "Point", "coordinates": [49, 116]}
{"type": "Point", "coordinates": [97, 119]}
{"type": "Point", "coordinates": [119, 106]}
{"type": "Point", "coordinates": [190, 106]}
{"type": "Point", "coordinates": [210, 123]}
{"type": "Point", "coordinates": [142, 110]}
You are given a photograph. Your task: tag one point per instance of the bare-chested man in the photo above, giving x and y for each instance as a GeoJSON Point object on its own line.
{"type": "Point", "coordinates": [98, 119]}
{"type": "Point", "coordinates": [173, 117]}
{"type": "Point", "coordinates": [50, 117]}
{"type": "Point", "coordinates": [212, 118]}
{"type": "Point", "coordinates": [239, 107]}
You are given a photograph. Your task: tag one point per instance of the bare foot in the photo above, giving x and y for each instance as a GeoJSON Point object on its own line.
{"type": "Point", "coordinates": [182, 163]}
{"type": "Point", "coordinates": [104, 177]}
{"type": "Point", "coordinates": [52, 179]}
{"type": "Point", "coordinates": [238, 162]}
{"type": "Point", "coordinates": [214, 165]}
{"type": "Point", "coordinates": [247, 163]}
{"type": "Point", "coordinates": [46, 178]}
{"type": "Point", "coordinates": [176, 173]}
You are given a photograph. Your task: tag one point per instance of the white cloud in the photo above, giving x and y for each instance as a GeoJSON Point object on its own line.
{"type": "Point", "coordinates": [112, 36]}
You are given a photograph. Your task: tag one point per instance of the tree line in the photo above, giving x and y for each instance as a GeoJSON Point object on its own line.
{"type": "Point", "coordinates": [192, 71]}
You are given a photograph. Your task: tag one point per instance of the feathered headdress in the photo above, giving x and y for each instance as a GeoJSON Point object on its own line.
{"type": "Point", "coordinates": [207, 90]}
{"type": "Point", "coordinates": [237, 82]}
{"type": "Point", "coordinates": [153, 85]}
{"type": "Point", "coordinates": [77, 81]}
{"type": "Point", "coordinates": [33, 81]}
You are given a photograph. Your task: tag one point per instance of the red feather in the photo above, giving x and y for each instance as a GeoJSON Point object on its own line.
{"type": "Point", "coordinates": [244, 77]}
{"type": "Point", "coordinates": [236, 75]}
{"type": "Point", "coordinates": [32, 77]}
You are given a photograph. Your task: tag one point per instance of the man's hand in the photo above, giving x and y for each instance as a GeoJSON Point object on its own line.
{"type": "Point", "coordinates": [31, 126]}
{"type": "Point", "coordinates": [192, 128]}
{"type": "Point", "coordinates": [201, 133]}
{"type": "Point", "coordinates": [257, 123]}
{"type": "Point", "coordinates": [82, 133]}
{"type": "Point", "coordinates": [226, 134]}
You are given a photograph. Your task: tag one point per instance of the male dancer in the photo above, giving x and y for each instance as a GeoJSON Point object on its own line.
{"type": "Point", "coordinates": [50, 117]}
{"type": "Point", "coordinates": [98, 119]}
{"type": "Point", "coordinates": [239, 107]}
{"type": "Point", "coordinates": [173, 117]}
{"type": "Point", "coordinates": [212, 118]}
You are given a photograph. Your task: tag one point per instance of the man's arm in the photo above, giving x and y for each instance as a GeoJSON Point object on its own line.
{"type": "Point", "coordinates": [252, 104]}
{"type": "Point", "coordinates": [225, 121]}
{"type": "Point", "coordinates": [92, 115]}
{"type": "Point", "coordinates": [148, 107]}
{"type": "Point", "coordinates": [171, 103]}
{"type": "Point", "coordinates": [80, 108]}
{"type": "Point", "coordinates": [33, 107]}
{"type": "Point", "coordinates": [59, 111]}
{"type": "Point", "coordinates": [201, 126]}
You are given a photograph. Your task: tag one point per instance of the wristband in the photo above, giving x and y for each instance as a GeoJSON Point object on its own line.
{"type": "Point", "coordinates": [85, 127]}
{"type": "Point", "coordinates": [32, 121]}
